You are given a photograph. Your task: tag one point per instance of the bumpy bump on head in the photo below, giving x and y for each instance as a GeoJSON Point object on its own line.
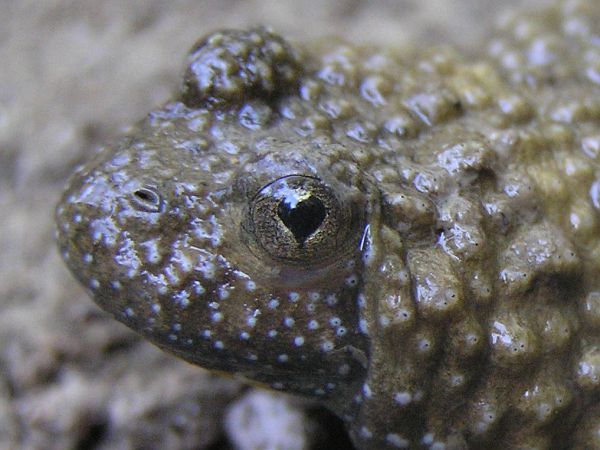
{"type": "Point", "coordinates": [235, 66]}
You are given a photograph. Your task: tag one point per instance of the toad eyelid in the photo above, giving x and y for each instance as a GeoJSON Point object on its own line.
{"type": "Point", "coordinates": [260, 190]}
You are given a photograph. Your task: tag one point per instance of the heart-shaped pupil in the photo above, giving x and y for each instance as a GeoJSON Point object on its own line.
{"type": "Point", "coordinates": [302, 218]}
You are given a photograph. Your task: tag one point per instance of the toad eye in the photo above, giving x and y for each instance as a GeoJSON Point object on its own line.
{"type": "Point", "coordinates": [298, 218]}
{"type": "Point", "coordinates": [147, 199]}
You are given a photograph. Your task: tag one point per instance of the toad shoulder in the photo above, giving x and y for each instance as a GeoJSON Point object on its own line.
{"type": "Point", "coordinates": [411, 237]}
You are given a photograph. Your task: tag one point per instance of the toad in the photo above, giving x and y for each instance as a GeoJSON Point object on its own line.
{"type": "Point", "coordinates": [411, 237]}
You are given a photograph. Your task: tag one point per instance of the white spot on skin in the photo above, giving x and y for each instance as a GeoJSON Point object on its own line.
{"type": "Point", "coordinates": [159, 281]}
{"type": "Point", "coordinates": [331, 300]}
{"type": "Point", "coordinates": [182, 299]}
{"type": "Point", "coordinates": [252, 357]}
{"type": "Point", "coordinates": [282, 358]}
{"type": "Point", "coordinates": [198, 288]}
{"type": "Point", "coordinates": [250, 285]}
{"type": "Point", "coordinates": [129, 312]}
{"type": "Point", "coordinates": [87, 258]}
{"type": "Point", "coordinates": [185, 263]}
{"type": "Point", "coordinates": [424, 345]}
{"type": "Point", "coordinates": [363, 326]}
{"type": "Point", "coordinates": [273, 303]}
{"type": "Point", "coordinates": [152, 253]}
{"type": "Point", "coordinates": [205, 266]}
{"type": "Point", "coordinates": [294, 297]}
{"type": "Point", "coordinates": [272, 333]}
{"type": "Point", "coordinates": [367, 391]}
{"type": "Point", "coordinates": [94, 284]}
{"type": "Point", "coordinates": [219, 345]}
{"type": "Point", "coordinates": [457, 380]}
{"type": "Point", "coordinates": [365, 433]}
{"type": "Point", "coordinates": [244, 335]}
{"type": "Point", "coordinates": [176, 327]}
{"type": "Point", "coordinates": [223, 293]}
{"type": "Point", "coordinates": [289, 322]}
{"type": "Point", "coordinates": [314, 296]}
{"type": "Point", "coordinates": [351, 280]}
{"type": "Point", "coordinates": [171, 275]}
{"type": "Point", "coordinates": [298, 341]}
{"type": "Point", "coordinates": [207, 334]}
{"type": "Point", "coordinates": [335, 321]}
{"type": "Point", "coordinates": [207, 230]}
{"type": "Point", "coordinates": [214, 305]}
{"type": "Point", "coordinates": [402, 398]}
{"type": "Point", "coordinates": [341, 331]}
{"type": "Point", "coordinates": [277, 386]}
{"type": "Point", "coordinates": [77, 218]}
{"type": "Point", "coordinates": [327, 346]}
{"type": "Point", "coordinates": [216, 317]}
{"type": "Point", "coordinates": [251, 320]}
{"type": "Point", "coordinates": [361, 301]}
{"type": "Point", "coordinates": [116, 285]}
{"type": "Point", "coordinates": [396, 440]}
{"type": "Point", "coordinates": [155, 308]}
{"type": "Point", "coordinates": [313, 325]}
{"type": "Point", "coordinates": [120, 160]}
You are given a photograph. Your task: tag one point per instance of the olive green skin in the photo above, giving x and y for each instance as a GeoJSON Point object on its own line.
{"type": "Point", "coordinates": [445, 290]}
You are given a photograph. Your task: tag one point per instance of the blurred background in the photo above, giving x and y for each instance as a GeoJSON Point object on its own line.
{"type": "Point", "coordinates": [74, 74]}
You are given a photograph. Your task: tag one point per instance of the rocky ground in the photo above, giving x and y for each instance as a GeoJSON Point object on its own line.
{"type": "Point", "coordinates": [75, 73]}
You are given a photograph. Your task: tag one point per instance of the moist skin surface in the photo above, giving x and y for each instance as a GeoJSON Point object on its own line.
{"type": "Point", "coordinates": [412, 237]}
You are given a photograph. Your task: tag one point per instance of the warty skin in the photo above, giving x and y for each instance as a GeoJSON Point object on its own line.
{"type": "Point", "coordinates": [410, 237]}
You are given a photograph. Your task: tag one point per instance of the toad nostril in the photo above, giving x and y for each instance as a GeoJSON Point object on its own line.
{"type": "Point", "coordinates": [144, 195]}
{"type": "Point", "coordinates": [147, 199]}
